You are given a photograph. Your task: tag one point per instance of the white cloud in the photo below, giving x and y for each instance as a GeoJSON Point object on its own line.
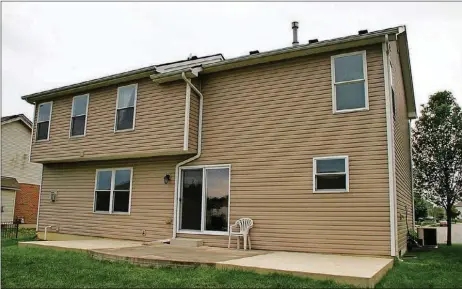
{"type": "Point", "coordinates": [47, 45]}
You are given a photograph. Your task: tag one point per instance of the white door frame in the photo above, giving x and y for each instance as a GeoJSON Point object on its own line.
{"type": "Point", "coordinates": [203, 209]}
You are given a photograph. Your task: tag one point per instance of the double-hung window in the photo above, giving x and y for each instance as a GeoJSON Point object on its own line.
{"type": "Point", "coordinates": [330, 174]}
{"type": "Point", "coordinates": [113, 190]}
{"type": "Point", "coordinates": [349, 82]}
{"type": "Point", "coordinates": [44, 121]}
{"type": "Point", "coordinates": [79, 115]}
{"type": "Point", "coordinates": [126, 107]}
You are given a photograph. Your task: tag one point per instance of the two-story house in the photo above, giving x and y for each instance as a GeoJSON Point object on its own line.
{"type": "Point", "coordinates": [311, 141]}
{"type": "Point", "coordinates": [20, 177]}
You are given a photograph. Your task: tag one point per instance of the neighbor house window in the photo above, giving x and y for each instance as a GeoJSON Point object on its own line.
{"type": "Point", "coordinates": [79, 115]}
{"type": "Point", "coordinates": [349, 82]}
{"type": "Point", "coordinates": [330, 174]}
{"type": "Point", "coordinates": [126, 107]}
{"type": "Point", "coordinates": [113, 190]}
{"type": "Point", "coordinates": [44, 121]}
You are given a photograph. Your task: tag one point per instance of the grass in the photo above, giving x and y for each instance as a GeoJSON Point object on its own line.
{"type": "Point", "coordinates": [440, 268]}
{"type": "Point", "coordinates": [48, 268]}
{"type": "Point", "coordinates": [24, 234]}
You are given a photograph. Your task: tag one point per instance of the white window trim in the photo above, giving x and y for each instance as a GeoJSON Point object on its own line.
{"type": "Point", "coordinates": [333, 83]}
{"type": "Point", "coordinates": [86, 116]}
{"type": "Point", "coordinates": [111, 192]}
{"type": "Point", "coordinates": [49, 125]}
{"type": "Point", "coordinates": [347, 174]}
{"type": "Point", "coordinates": [203, 231]}
{"type": "Point", "coordinates": [134, 108]}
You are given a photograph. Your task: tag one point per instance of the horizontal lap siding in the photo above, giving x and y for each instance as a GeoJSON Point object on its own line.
{"type": "Point", "coordinates": [159, 124]}
{"type": "Point", "coordinates": [402, 154]}
{"type": "Point", "coordinates": [15, 154]}
{"type": "Point", "coordinates": [193, 122]}
{"type": "Point", "coordinates": [151, 200]}
{"type": "Point", "coordinates": [268, 122]}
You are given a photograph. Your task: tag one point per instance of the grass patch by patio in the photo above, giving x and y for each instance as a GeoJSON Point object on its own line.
{"type": "Point", "coordinates": [24, 267]}
{"type": "Point", "coordinates": [439, 268]}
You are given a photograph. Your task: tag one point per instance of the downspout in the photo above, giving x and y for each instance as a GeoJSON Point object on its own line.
{"type": "Point", "coordinates": [199, 151]}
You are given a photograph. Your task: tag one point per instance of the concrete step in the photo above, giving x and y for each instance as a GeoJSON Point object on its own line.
{"type": "Point", "coordinates": [184, 242]}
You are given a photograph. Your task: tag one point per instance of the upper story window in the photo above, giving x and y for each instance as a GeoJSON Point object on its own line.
{"type": "Point", "coordinates": [79, 115]}
{"type": "Point", "coordinates": [44, 121]}
{"type": "Point", "coordinates": [330, 174]}
{"type": "Point", "coordinates": [113, 190]}
{"type": "Point", "coordinates": [126, 107]}
{"type": "Point", "coordinates": [349, 82]}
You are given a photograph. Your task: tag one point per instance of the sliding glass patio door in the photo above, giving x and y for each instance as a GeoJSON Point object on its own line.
{"type": "Point", "coordinates": [204, 200]}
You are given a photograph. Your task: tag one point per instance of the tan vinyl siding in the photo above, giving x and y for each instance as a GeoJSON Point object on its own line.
{"type": "Point", "coordinates": [151, 200]}
{"type": "Point", "coordinates": [8, 200]}
{"type": "Point", "coordinates": [268, 122]}
{"type": "Point", "coordinates": [402, 153]}
{"type": "Point", "coordinates": [159, 125]}
{"type": "Point", "coordinates": [15, 154]}
{"type": "Point", "coordinates": [193, 122]}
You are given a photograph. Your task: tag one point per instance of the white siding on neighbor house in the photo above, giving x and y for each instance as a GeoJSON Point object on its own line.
{"type": "Point", "coordinates": [15, 154]}
{"type": "Point", "coordinates": [8, 198]}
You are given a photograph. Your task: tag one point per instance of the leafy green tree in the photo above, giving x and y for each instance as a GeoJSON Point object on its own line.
{"type": "Point", "coordinates": [454, 212]}
{"type": "Point", "coordinates": [437, 153]}
{"type": "Point", "coordinates": [438, 213]}
{"type": "Point", "coordinates": [420, 208]}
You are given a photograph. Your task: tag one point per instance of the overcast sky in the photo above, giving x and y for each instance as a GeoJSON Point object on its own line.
{"type": "Point", "coordinates": [48, 45]}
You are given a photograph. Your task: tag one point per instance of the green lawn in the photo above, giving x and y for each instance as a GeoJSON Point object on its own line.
{"type": "Point", "coordinates": [40, 268]}
{"type": "Point", "coordinates": [440, 268]}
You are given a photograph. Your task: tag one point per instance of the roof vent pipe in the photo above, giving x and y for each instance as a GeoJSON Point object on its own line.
{"type": "Point", "coordinates": [295, 33]}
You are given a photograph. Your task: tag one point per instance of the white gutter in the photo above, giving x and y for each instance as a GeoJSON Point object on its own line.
{"type": "Point", "coordinates": [390, 148]}
{"type": "Point", "coordinates": [199, 151]}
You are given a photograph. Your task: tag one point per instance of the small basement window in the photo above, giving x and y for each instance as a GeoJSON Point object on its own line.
{"type": "Point", "coordinates": [113, 190]}
{"type": "Point", "coordinates": [126, 107]}
{"type": "Point", "coordinates": [44, 121]}
{"type": "Point", "coordinates": [349, 82]}
{"type": "Point", "coordinates": [330, 174]}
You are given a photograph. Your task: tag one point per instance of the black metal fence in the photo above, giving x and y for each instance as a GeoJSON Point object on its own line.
{"type": "Point", "coordinates": [10, 230]}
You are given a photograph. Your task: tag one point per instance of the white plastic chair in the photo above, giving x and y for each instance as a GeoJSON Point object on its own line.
{"type": "Point", "coordinates": [244, 225]}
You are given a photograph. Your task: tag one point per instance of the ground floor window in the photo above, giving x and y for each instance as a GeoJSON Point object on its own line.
{"type": "Point", "coordinates": [113, 190]}
{"type": "Point", "coordinates": [204, 199]}
{"type": "Point", "coordinates": [330, 174]}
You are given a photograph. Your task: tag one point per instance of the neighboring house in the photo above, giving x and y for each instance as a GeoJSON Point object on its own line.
{"type": "Point", "coordinates": [9, 188]}
{"type": "Point", "coordinates": [459, 208]}
{"type": "Point", "coordinates": [311, 141]}
{"type": "Point", "coordinates": [18, 170]}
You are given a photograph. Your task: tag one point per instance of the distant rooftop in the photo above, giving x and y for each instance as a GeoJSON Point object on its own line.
{"type": "Point", "coordinates": [22, 117]}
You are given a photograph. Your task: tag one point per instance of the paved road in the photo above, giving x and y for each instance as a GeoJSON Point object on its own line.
{"type": "Point", "coordinates": [456, 234]}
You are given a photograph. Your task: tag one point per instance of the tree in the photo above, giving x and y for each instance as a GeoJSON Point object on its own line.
{"type": "Point", "coordinates": [437, 153]}
{"type": "Point", "coordinates": [420, 208]}
{"type": "Point", "coordinates": [438, 213]}
{"type": "Point", "coordinates": [454, 213]}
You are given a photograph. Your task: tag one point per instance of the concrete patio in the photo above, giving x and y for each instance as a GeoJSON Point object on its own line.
{"type": "Point", "coordinates": [354, 270]}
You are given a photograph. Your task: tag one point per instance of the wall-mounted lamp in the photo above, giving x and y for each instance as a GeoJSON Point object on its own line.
{"type": "Point", "coordinates": [53, 196]}
{"type": "Point", "coordinates": [166, 179]}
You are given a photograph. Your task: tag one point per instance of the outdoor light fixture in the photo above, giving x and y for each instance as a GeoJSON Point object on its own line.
{"type": "Point", "coordinates": [166, 179]}
{"type": "Point", "coordinates": [53, 196]}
